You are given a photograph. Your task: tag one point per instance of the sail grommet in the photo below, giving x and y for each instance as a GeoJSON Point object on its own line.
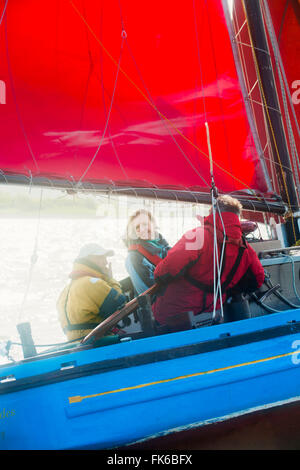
{"type": "Point", "coordinates": [124, 34]}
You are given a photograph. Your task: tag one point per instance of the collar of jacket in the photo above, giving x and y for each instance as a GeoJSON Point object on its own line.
{"type": "Point", "coordinates": [231, 223]}
{"type": "Point", "coordinates": [152, 246]}
{"type": "Point", "coordinates": [86, 268]}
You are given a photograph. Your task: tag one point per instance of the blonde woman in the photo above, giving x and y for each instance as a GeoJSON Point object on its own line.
{"type": "Point", "coordinates": [146, 248]}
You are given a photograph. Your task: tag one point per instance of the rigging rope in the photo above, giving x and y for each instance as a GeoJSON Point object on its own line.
{"type": "Point", "coordinates": [217, 264]}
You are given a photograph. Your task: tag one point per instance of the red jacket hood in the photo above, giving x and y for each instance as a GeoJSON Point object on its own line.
{"type": "Point", "coordinates": [231, 223]}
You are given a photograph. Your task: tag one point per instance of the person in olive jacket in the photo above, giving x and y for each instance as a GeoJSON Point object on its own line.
{"type": "Point", "coordinates": [92, 294]}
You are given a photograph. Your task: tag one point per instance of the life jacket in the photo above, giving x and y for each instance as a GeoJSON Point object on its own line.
{"type": "Point", "coordinates": [76, 326]}
{"type": "Point", "coordinates": [90, 301]}
{"type": "Point", "coordinates": [154, 259]}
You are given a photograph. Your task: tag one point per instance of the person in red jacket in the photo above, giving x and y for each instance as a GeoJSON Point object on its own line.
{"type": "Point", "coordinates": [186, 274]}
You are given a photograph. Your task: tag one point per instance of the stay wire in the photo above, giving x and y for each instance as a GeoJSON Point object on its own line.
{"type": "Point", "coordinates": [217, 263]}
{"type": "Point", "coordinates": [33, 260]}
{"type": "Point", "coordinates": [218, 258]}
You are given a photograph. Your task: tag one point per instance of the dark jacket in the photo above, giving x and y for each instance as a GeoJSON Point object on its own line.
{"type": "Point", "coordinates": [143, 257]}
{"type": "Point", "coordinates": [187, 271]}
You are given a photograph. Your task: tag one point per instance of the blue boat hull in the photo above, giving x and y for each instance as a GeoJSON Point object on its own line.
{"type": "Point", "coordinates": [136, 391]}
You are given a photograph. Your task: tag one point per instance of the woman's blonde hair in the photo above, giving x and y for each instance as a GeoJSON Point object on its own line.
{"type": "Point", "coordinates": [130, 231]}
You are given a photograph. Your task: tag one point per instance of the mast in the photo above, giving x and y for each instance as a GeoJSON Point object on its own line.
{"type": "Point", "coordinates": [273, 114]}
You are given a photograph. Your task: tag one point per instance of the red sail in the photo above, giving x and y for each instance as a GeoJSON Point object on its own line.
{"type": "Point", "coordinates": [119, 92]}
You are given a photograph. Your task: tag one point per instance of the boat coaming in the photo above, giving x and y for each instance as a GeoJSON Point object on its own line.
{"type": "Point", "coordinates": [114, 396]}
